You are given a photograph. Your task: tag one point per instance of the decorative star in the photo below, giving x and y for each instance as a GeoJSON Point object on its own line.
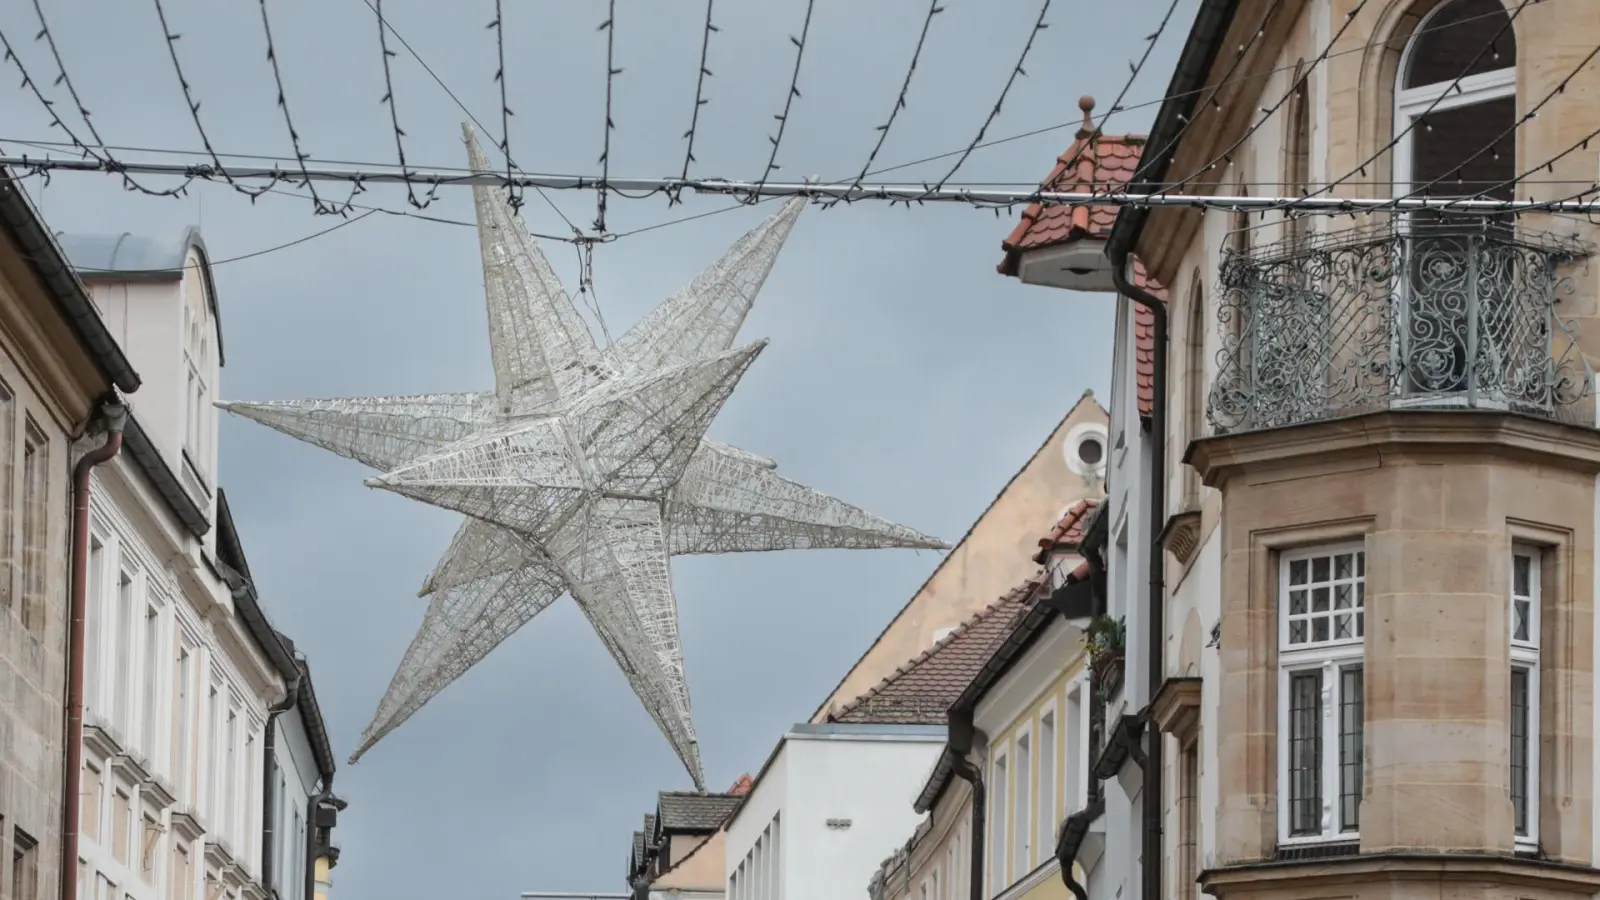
{"type": "Point", "coordinates": [583, 471]}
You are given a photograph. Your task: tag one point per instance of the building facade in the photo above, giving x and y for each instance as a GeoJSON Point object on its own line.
{"type": "Point", "coordinates": [1065, 248]}
{"type": "Point", "coordinates": [826, 807]}
{"type": "Point", "coordinates": [59, 367]}
{"type": "Point", "coordinates": [183, 671]}
{"type": "Point", "coordinates": [1374, 612]}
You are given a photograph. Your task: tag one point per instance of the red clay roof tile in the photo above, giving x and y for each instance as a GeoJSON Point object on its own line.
{"type": "Point", "coordinates": [1144, 337]}
{"type": "Point", "coordinates": [921, 691]}
{"type": "Point", "coordinates": [1068, 533]}
{"type": "Point", "coordinates": [1094, 162]}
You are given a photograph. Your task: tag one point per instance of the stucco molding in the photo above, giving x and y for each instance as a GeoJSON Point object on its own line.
{"type": "Point", "coordinates": [1176, 708]}
{"type": "Point", "coordinates": [1359, 441]}
{"type": "Point", "coordinates": [1295, 877]}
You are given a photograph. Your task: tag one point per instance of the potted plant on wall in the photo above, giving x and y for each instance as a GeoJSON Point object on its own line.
{"type": "Point", "coordinates": [1103, 639]}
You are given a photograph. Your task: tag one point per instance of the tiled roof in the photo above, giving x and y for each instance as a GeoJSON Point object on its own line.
{"type": "Point", "coordinates": [1068, 533]}
{"type": "Point", "coordinates": [1144, 337]}
{"type": "Point", "coordinates": [682, 811]}
{"type": "Point", "coordinates": [921, 691]}
{"type": "Point", "coordinates": [638, 847]}
{"type": "Point", "coordinates": [1094, 162]}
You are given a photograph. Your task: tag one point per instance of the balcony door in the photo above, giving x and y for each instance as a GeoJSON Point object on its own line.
{"type": "Point", "coordinates": [1456, 116]}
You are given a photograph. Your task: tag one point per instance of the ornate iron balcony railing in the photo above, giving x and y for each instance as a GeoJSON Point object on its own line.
{"type": "Point", "coordinates": [1399, 316]}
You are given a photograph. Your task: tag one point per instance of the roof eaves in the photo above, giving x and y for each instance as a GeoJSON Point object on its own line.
{"type": "Point", "coordinates": [165, 481]}
{"type": "Point", "coordinates": [1188, 77]}
{"type": "Point", "coordinates": [230, 554]}
{"type": "Point", "coordinates": [316, 727]}
{"type": "Point", "coordinates": [27, 228]}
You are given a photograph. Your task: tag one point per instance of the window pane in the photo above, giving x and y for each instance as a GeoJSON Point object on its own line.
{"type": "Point", "coordinates": [35, 528]}
{"type": "Point", "coordinates": [1047, 784]}
{"type": "Point", "coordinates": [1351, 733]}
{"type": "Point", "coordinates": [1451, 44]}
{"type": "Point", "coordinates": [1520, 683]}
{"type": "Point", "coordinates": [1305, 752]}
{"type": "Point", "coordinates": [1323, 599]}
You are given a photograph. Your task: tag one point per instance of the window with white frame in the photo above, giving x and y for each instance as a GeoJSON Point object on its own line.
{"type": "Point", "coordinates": [1525, 624]}
{"type": "Point", "coordinates": [1322, 622]}
{"type": "Point", "coordinates": [230, 776]}
{"type": "Point", "coordinates": [182, 715]}
{"type": "Point", "coordinates": [1077, 738]}
{"type": "Point", "coordinates": [127, 615]}
{"type": "Point", "coordinates": [151, 702]}
{"type": "Point", "coordinates": [93, 624]}
{"type": "Point", "coordinates": [1456, 136]}
{"type": "Point", "coordinates": [1047, 782]}
{"type": "Point", "coordinates": [1021, 832]}
{"type": "Point", "coordinates": [213, 725]}
{"type": "Point", "coordinates": [999, 785]}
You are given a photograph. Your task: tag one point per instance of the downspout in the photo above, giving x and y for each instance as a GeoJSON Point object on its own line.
{"type": "Point", "coordinates": [962, 732]}
{"type": "Point", "coordinates": [115, 415]}
{"type": "Point", "coordinates": [1156, 631]}
{"type": "Point", "coordinates": [324, 797]}
{"type": "Point", "coordinates": [315, 813]}
{"type": "Point", "coordinates": [269, 785]}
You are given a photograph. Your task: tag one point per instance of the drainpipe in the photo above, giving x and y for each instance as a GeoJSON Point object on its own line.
{"type": "Point", "coordinates": [323, 798]}
{"type": "Point", "coordinates": [115, 415]}
{"type": "Point", "coordinates": [1121, 266]}
{"type": "Point", "coordinates": [269, 785]}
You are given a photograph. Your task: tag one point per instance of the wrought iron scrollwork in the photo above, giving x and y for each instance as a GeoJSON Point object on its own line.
{"type": "Point", "coordinates": [1398, 316]}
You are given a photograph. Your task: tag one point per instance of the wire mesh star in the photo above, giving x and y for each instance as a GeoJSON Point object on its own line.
{"type": "Point", "coordinates": [583, 471]}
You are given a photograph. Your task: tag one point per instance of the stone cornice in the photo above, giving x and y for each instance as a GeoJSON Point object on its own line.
{"type": "Point", "coordinates": [1359, 442]}
{"type": "Point", "coordinates": [1387, 868]}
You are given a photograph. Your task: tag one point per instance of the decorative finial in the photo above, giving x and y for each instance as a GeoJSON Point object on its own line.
{"type": "Point", "coordinates": [1086, 103]}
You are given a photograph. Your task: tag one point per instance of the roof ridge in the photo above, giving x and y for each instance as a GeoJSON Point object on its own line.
{"type": "Point", "coordinates": [1009, 598]}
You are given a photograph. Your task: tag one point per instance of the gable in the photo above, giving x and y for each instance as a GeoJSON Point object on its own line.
{"type": "Point", "coordinates": [994, 556]}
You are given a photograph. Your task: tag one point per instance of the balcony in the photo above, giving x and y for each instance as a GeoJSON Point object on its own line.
{"type": "Point", "coordinates": [1406, 315]}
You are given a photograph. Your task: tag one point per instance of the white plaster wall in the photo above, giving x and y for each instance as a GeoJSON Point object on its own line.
{"type": "Point", "coordinates": [871, 780]}
{"type": "Point", "coordinates": [299, 768]}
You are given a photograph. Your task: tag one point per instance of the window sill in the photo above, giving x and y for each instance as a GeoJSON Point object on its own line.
{"type": "Point", "coordinates": [1312, 848]}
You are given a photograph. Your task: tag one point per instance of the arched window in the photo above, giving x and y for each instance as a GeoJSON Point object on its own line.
{"type": "Point", "coordinates": [1456, 108]}
{"type": "Point", "coordinates": [1456, 117]}
{"type": "Point", "coordinates": [1194, 409]}
{"type": "Point", "coordinates": [1297, 151]}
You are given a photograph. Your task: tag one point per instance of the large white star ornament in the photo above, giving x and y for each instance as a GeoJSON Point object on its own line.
{"type": "Point", "coordinates": [583, 471]}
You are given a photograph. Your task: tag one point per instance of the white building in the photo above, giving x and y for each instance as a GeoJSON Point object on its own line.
{"type": "Point", "coordinates": [300, 804]}
{"type": "Point", "coordinates": [831, 802]}
{"type": "Point", "coordinates": [181, 665]}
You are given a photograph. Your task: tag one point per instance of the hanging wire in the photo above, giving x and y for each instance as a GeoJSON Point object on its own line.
{"type": "Point", "coordinates": [1400, 134]}
{"type": "Point", "coordinates": [454, 98]}
{"type": "Point", "coordinates": [900, 101]}
{"type": "Point", "coordinates": [793, 93]}
{"type": "Point", "coordinates": [194, 109]}
{"type": "Point", "coordinates": [699, 95]}
{"type": "Point", "coordinates": [319, 206]}
{"type": "Point", "coordinates": [1226, 156]}
{"type": "Point", "coordinates": [609, 26]}
{"type": "Point", "coordinates": [1017, 71]}
{"type": "Point", "coordinates": [64, 80]}
{"type": "Point", "coordinates": [498, 26]}
{"type": "Point", "coordinates": [394, 112]}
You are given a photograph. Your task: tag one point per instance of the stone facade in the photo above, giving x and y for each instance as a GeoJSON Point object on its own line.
{"type": "Point", "coordinates": [1443, 504]}
{"type": "Point", "coordinates": [49, 382]}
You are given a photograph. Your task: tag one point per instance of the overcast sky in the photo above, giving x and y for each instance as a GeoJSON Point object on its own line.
{"type": "Point", "coordinates": [904, 374]}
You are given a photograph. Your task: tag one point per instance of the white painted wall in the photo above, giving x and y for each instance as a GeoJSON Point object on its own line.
{"type": "Point", "coordinates": [136, 533]}
{"type": "Point", "coordinates": [299, 781]}
{"type": "Point", "coordinates": [867, 774]}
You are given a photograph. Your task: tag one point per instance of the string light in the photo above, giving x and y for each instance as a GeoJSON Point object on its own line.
{"type": "Point", "coordinates": [794, 92]}
{"type": "Point", "coordinates": [699, 92]}
{"type": "Point", "coordinates": [609, 26]}
{"type": "Point", "coordinates": [1017, 71]}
